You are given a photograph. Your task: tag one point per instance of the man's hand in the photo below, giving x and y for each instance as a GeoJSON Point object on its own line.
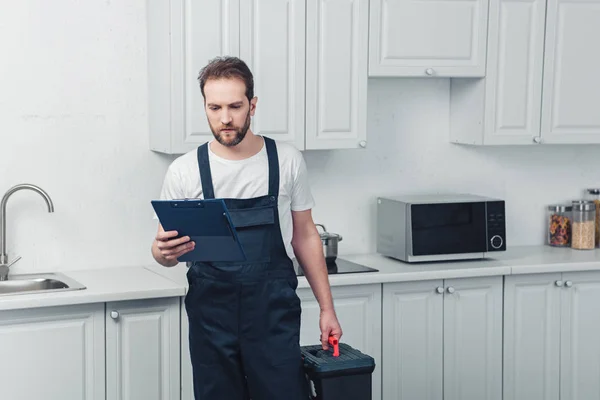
{"type": "Point", "coordinates": [330, 326]}
{"type": "Point", "coordinates": [166, 250]}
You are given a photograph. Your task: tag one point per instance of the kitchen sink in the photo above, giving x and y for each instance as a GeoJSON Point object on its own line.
{"type": "Point", "coordinates": [38, 283]}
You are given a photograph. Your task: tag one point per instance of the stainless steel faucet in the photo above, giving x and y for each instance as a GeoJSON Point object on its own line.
{"type": "Point", "coordinates": [4, 264]}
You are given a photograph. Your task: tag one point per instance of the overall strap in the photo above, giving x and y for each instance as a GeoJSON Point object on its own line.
{"type": "Point", "coordinates": [205, 175]}
{"type": "Point", "coordinates": [273, 166]}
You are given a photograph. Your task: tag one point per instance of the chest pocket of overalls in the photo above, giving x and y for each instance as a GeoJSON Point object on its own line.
{"type": "Point", "coordinates": [254, 227]}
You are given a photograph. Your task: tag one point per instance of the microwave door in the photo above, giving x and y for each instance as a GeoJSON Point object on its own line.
{"type": "Point", "coordinates": [448, 229]}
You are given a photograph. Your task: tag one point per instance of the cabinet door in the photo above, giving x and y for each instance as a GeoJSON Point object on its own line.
{"type": "Point", "coordinates": [359, 311]}
{"type": "Point", "coordinates": [336, 74]}
{"type": "Point", "coordinates": [187, 378]}
{"type": "Point", "coordinates": [513, 84]}
{"type": "Point", "coordinates": [183, 35]}
{"type": "Point", "coordinates": [54, 353]}
{"type": "Point", "coordinates": [273, 41]}
{"type": "Point", "coordinates": [580, 347]}
{"type": "Point", "coordinates": [142, 349]}
{"type": "Point", "coordinates": [571, 91]}
{"type": "Point", "coordinates": [413, 340]}
{"type": "Point", "coordinates": [428, 38]}
{"type": "Point", "coordinates": [473, 339]}
{"type": "Point", "coordinates": [532, 336]}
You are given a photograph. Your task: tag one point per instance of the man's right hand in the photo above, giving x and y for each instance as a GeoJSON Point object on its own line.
{"type": "Point", "coordinates": [166, 249]}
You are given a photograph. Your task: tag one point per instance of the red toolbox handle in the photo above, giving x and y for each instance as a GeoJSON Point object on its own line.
{"type": "Point", "coordinates": [336, 347]}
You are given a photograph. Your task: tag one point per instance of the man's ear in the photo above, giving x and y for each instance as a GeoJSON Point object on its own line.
{"type": "Point", "coordinates": [253, 105]}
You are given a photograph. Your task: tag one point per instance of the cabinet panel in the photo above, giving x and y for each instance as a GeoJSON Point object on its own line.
{"type": "Point", "coordinates": [532, 337]}
{"type": "Point", "coordinates": [142, 349]}
{"type": "Point", "coordinates": [580, 347]}
{"type": "Point", "coordinates": [427, 38]}
{"type": "Point", "coordinates": [413, 340]}
{"type": "Point", "coordinates": [514, 71]}
{"type": "Point", "coordinates": [178, 48]}
{"type": "Point", "coordinates": [571, 81]}
{"type": "Point", "coordinates": [473, 339]}
{"type": "Point", "coordinates": [359, 311]}
{"type": "Point", "coordinates": [336, 74]}
{"type": "Point", "coordinates": [273, 41]}
{"type": "Point", "coordinates": [54, 353]}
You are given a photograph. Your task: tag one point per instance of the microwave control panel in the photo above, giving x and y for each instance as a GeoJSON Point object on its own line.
{"type": "Point", "coordinates": [496, 226]}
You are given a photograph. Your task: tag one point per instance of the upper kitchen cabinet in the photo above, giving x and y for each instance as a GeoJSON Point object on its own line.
{"type": "Point", "coordinates": [428, 38]}
{"type": "Point", "coordinates": [571, 88]}
{"type": "Point", "coordinates": [273, 42]}
{"type": "Point", "coordinates": [308, 57]}
{"type": "Point", "coordinates": [336, 74]}
{"type": "Point", "coordinates": [541, 85]}
{"type": "Point", "coordinates": [183, 35]}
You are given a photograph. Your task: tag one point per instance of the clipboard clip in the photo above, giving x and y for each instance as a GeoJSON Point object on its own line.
{"type": "Point", "coordinates": [185, 203]}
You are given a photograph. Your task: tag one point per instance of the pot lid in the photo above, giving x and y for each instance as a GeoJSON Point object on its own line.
{"type": "Point", "coordinates": [327, 235]}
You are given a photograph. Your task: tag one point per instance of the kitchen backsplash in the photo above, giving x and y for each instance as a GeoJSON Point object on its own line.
{"type": "Point", "coordinates": [73, 121]}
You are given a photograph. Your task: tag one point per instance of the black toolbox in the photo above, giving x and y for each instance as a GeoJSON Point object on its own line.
{"type": "Point", "coordinates": [343, 377]}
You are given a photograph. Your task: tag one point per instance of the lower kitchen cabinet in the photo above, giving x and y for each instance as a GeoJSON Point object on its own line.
{"type": "Point", "coordinates": [142, 349]}
{"type": "Point", "coordinates": [53, 353]}
{"type": "Point", "coordinates": [551, 341]}
{"type": "Point", "coordinates": [442, 339]}
{"type": "Point", "coordinates": [358, 310]}
{"type": "Point", "coordinates": [121, 350]}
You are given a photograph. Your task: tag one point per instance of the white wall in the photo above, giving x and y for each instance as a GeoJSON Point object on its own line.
{"type": "Point", "coordinates": [73, 121]}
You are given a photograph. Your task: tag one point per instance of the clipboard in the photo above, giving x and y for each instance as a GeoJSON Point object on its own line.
{"type": "Point", "coordinates": [207, 223]}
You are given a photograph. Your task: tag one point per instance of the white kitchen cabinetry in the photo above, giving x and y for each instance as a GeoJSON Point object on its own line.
{"type": "Point", "coordinates": [308, 57]}
{"type": "Point", "coordinates": [540, 84]}
{"type": "Point", "coordinates": [53, 353]}
{"type": "Point", "coordinates": [113, 351]}
{"type": "Point", "coordinates": [142, 349]}
{"type": "Point", "coordinates": [571, 88]}
{"type": "Point", "coordinates": [551, 349]}
{"type": "Point", "coordinates": [182, 36]}
{"type": "Point", "coordinates": [442, 339]}
{"type": "Point", "coordinates": [358, 310]}
{"type": "Point", "coordinates": [428, 38]}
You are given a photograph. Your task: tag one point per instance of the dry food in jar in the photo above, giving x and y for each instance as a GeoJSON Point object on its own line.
{"type": "Point", "coordinates": [584, 225]}
{"type": "Point", "coordinates": [559, 226]}
{"type": "Point", "coordinates": [594, 195]}
{"type": "Point", "coordinates": [583, 235]}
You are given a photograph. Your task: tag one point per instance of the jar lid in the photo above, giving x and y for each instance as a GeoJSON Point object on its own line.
{"type": "Point", "coordinates": [584, 205]}
{"type": "Point", "coordinates": [594, 191]}
{"type": "Point", "coordinates": [559, 208]}
{"type": "Point", "coordinates": [327, 235]}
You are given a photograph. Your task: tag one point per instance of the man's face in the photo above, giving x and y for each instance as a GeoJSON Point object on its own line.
{"type": "Point", "coordinates": [228, 110]}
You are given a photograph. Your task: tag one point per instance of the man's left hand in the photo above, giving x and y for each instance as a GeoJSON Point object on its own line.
{"type": "Point", "coordinates": [330, 326]}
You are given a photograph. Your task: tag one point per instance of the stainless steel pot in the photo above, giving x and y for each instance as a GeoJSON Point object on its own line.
{"type": "Point", "coordinates": [330, 244]}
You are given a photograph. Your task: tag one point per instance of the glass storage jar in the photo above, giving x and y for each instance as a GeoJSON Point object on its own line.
{"type": "Point", "coordinates": [559, 225]}
{"type": "Point", "coordinates": [594, 195]}
{"type": "Point", "coordinates": [584, 225]}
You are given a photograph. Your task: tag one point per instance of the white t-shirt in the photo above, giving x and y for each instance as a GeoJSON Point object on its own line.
{"type": "Point", "coordinates": [244, 179]}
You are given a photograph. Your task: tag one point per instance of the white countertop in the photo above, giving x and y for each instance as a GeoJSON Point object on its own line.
{"type": "Point", "coordinates": [117, 284]}
{"type": "Point", "coordinates": [102, 285]}
{"type": "Point", "coordinates": [517, 260]}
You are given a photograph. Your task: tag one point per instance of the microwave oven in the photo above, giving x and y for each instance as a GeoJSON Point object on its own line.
{"type": "Point", "coordinates": [440, 227]}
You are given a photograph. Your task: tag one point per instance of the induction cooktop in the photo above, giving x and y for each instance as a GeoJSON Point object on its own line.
{"type": "Point", "coordinates": [340, 266]}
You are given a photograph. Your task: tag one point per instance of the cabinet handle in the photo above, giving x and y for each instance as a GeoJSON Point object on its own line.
{"type": "Point", "coordinates": [559, 283]}
{"type": "Point", "coordinates": [114, 314]}
{"type": "Point", "coordinates": [440, 290]}
{"type": "Point", "coordinates": [362, 143]}
{"type": "Point", "coordinates": [537, 139]}
{"type": "Point", "coordinates": [568, 283]}
{"type": "Point", "coordinates": [429, 71]}
{"type": "Point", "coordinates": [450, 290]}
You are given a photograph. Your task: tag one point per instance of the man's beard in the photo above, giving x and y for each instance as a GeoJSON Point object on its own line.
{"type": "Point", "coordinates": [240, 134]}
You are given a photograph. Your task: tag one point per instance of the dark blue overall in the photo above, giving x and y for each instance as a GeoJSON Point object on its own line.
{"type": "Point", "coordinates": [244, 317]}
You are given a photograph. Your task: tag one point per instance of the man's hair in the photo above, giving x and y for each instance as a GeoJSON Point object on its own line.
{"type": "Point", "coordinates": [227, 68]}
